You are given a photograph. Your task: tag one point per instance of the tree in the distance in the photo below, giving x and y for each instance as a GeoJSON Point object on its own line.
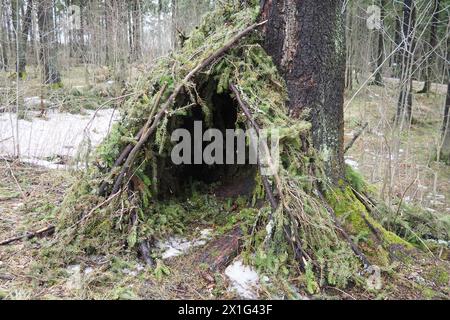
{"type": "Point", "coordinates": [23, 40]}
{"type": "Point", "coordinates": [48, 48]}
{"type": "Point", "coordinates": [404, 107]}
{"type": "Point", "coordinates": [380, 50]}
{"type": "Point", "coordinates": [431, 46]}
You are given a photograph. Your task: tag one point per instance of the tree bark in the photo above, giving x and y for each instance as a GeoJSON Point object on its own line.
{"type": "Point", "coordinates": [136, 30]}
{"type": "Point", "coordinates": [380, 56]}
{"type": "Point", "coordinates": [3, 39]}
{"type": "Point", "coordinates": [48, 50]}
{"type": "Point", "coordinates": [174, 9]}
{"type": "Point", "coordinates": [23, 40]}
{"type": "Point", "coordinates": [306, 39]}
{"type": "Point", "coordinates": [445, 149]}
{"type": "Point", "coordinates": [432, 44]}
{"type": "Point", "coordinates": [404, 107]}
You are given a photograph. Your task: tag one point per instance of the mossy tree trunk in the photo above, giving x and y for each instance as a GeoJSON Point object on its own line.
{"type": "Point", "coordinates": [307, 42]}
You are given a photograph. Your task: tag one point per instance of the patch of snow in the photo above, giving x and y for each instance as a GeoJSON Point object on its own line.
{"type": "Point", "coordinates": [43, 163]}
{"type": "Point", "coordinates": [269, 227]}
{"type": "Point", "coordinates": [75, 279]}
{"type": "Point", "coordinates": [129, 272]}
{"type": "Point", "coordinates": [59, 134]}
{"type": "Point", "coordinates": [88, 270]}
{"type": "Point", "coordinates": [206, 234]}
{"type": "Point", "coordinates": [352, 163]}
{"type": "Point", "coordinates": [244, 280]}
{"type": "Point", "coordinates": [176, 246]}
{"type": "Point", "coordinates": [31, 102]}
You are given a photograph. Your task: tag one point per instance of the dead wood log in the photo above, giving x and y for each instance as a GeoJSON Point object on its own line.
{"type": "Point", "coordinates": [30, 235]}
{"type": "Point", "coordinates": [355, 137]}
{"type": "Point", "coordinates": [164, 109]}
{"type": "Point", "coordinates": [220, 253]}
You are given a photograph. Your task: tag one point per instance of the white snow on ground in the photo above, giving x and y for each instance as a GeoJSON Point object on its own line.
{"type": "Point", "coordinates": [352, 163]}
{"type": "Point", "coordinates": [243, 279]}
{"type": "Point", "coordinates": [34, 102]}
{"type": "Point", "coordinates": [176, 246]}
{"type": "Point", "coordinates": [58, 134]}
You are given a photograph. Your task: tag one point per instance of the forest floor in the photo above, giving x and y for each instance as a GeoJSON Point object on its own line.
{"type": "Point", "coordinates": [30, 196]}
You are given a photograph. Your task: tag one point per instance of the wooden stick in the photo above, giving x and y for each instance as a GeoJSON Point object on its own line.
{"type": "Point", "coordinates": [29, 235]}
{"type": "Point", "coordinates": [298, 251]}
{"type": "Point", "coordinates": [247, 113]}
{"type": "Point", "coordinates": [125, 153]}
{"type": "Point", "coordinates": [24, 197]}
{"type": "Point", "coordinates": [355, 137]}
{"type": "Point", "coordinates": [164, 109]}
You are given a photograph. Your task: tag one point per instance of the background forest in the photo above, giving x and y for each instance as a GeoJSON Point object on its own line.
{"type": "Point", "coordinates": [67, 71]}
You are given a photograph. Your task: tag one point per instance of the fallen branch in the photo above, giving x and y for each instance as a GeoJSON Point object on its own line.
{"type": "Point", "coordinates": [164, 109]}
{"type": "Point", "coordinates": [355, 137]}
{"type": "Point", "coordinates": [218, 254]}
{"type": "Point", "coordinates": [129, 148]}
{"type": "Point", "coordinates": [30, 235]}
{"type": "Point", "coordinates": [245, 109]}
{"type": "Point", "coordinates": [299, 254]}
{"type": "Point", "coordinates": [24, 197]}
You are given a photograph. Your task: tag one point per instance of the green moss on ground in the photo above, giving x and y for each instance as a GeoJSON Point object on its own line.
{"type": "Point", "coordinates": [359, 223]}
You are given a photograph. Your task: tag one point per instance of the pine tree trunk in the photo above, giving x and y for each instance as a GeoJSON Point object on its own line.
{"type": "Point", "coordinates": [431, 47]}
{"type": "Point", "coordinates": [404, 107]}
{"type": "Point", "coordinates": [397, 39]}
{"type": "Point", "coordinates": [174, 8]}
{"type": "Point", "coordinates": [445, 149]}
{"type": "Point", "coordinates": [48, 51]}
{"type": "Point", "coordinates": [23, 40]}
{"type": "Point", "coordinates": [307, 42]}
{"type": "Point", "coordinates": [350, 49]}
{"type": "Point", "coordinates": [380, 56]}
{"type": "Point", "coordinates": [3, 39]}
{"type": "Point", "coordinates": [136, 29]}
{"type": "Point", "coordinates": [15, 31]}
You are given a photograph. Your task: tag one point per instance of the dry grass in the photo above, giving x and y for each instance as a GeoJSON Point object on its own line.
{"type": "Point", "coordinates": [401, 165]}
